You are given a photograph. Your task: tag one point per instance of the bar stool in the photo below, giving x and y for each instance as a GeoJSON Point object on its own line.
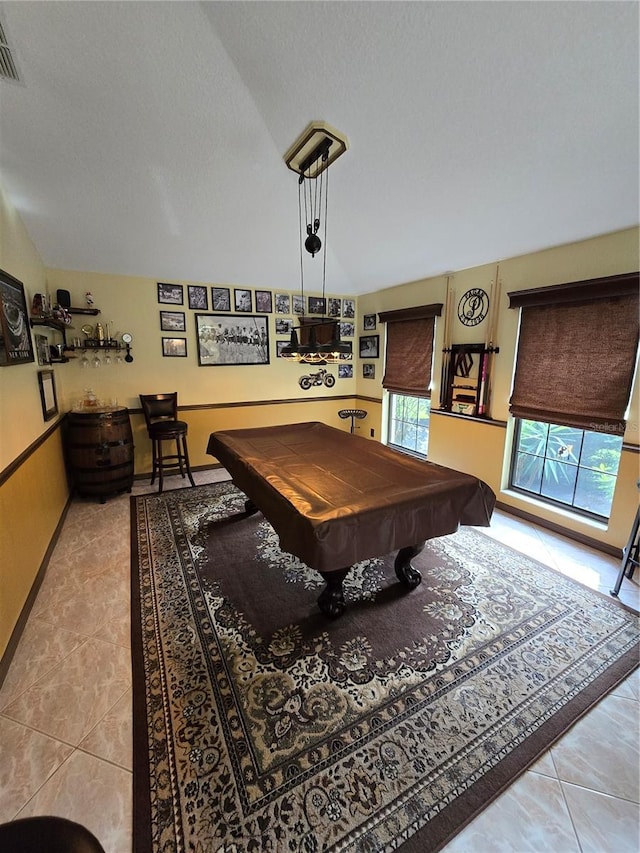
{"type": "Point", "coordinates": [161, 415]}
{"type": "Point", "coordinates": [630, 558]}
{"type": "Point", "coordinates": [353, 414]}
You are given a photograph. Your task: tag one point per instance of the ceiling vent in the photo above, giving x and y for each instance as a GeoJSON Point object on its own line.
{"type": "Point", "coordinates": [8, 67]}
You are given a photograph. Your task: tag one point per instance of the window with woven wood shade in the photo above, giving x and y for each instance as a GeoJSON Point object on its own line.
{"type": "Point", "coordinates": [409, 349]}
{"type": "Point", "coordinates": [576, 352]}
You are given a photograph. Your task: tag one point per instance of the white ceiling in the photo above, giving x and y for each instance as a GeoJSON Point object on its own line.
{"type": "Point", "coordinates": [147, 138]}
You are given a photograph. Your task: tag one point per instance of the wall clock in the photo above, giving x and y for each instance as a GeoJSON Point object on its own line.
{"type": "Point", "coordinates": [473, 306]}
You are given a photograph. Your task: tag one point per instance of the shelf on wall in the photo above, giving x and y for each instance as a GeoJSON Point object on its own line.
{"type": "Point", "coordinates": [51, 322]}
{"type": "Point", "coordinates": [89, 311]}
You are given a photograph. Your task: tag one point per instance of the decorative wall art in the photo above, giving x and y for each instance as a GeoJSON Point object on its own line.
{"type": "Point", "coordinates": [225, 339]}
{"type": "Point", "coordinates": [47, 383]}
{"type": "Point", "coordinates": [333, 307]}
{"type": "Point", "coordinates": [279, 345]}
{"type": "Point", "coordinates": [220, 299]}
{"type": "Point", "coordinates": [345, 371]}
{"type": "Point", "coordinates": [368, 371]}
{"type": "Point", "coordinates": [15, 336]}
{"type": "Point", "coordinates": [347, 330]}
{"type": "Point", "coordinates": [369, 346]}
{"type": "Point", "coordinates": [42, 349]}
{"type": "Point", "coordinates": [242, 300]}
{"type": "Point", "coordinates": [198, 297]}
{"type": "Point", "coordinates": [348, 309]}
{"type": "Point", "coordinates": [283, 303]}
{"type": "Point", "coordinates": [264, 301]}
{"type": "Point", "coordinates": [172, 294]}
{"type": "Point", "coordinates": [172, 321]}
{"type": "Point", "coordinates": [317, 305]}
{"type": "Point", "coordinates": [284, 325]}
{"type": "Point", "coordinates": [369, 322]}
{"type": "Point", "coordinates": [298, 306]}
{"type": "Point", "coordinates": [174, 347]}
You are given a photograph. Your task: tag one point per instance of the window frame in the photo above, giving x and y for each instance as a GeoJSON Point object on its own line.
{"type": "Point", "coordinates": [399, 447]}
{"type": "Point", "coordinates": [553, 502]}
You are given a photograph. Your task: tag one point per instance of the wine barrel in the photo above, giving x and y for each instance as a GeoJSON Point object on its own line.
{"type": "Point", "coordinates": [99, 446]}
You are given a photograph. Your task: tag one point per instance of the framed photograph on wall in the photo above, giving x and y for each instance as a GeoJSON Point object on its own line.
{"type": "Point", "coordinates": [47, 383]}
{"type": "Point", "coordinates": [173, 321]}
{"type": "Point", "coordinates": [347, 330]}
{"type": "Point", "coordinates": [284, 325]}
{"type": "Point", "coordinates": [174, 347]}
{"type": "Point", "coordinates": [333, 307]}
{"type": "Point", "coordinates": [242, 300]}
{"type": "Point", "coordinates": [220, 299]}
{"type": "Point", "coordinates": [297, 306]}
{"type": "Point", "coordinates": [369, 346]}
{"type": "Point", "coordinates": [42, 349]}
{"type": "Point", "coordinates": [283, 303]}
{"type": "Point", "coordinates": [226, 339]}
{"type": "Point", "coordinates": [171, 294]}
{"type": "Point", "coordinates": [15, 335]}
{"type": "Point", "coordinates": [348, 309]}
{"type": "Point", "coordinates": [198, 297]}
{"type": "Point", "coordinates": [317, 305]}
{"type": "Point", "coordinates": [264, 301]}
{"type": "Point", "coordinates": [345, 371]}
{"type": "Point", "coordinates": [369, 322]}
{"type": "Point", "coordinates": [279, 345]}
{"type": "Point", "coordinates": [368, 371]}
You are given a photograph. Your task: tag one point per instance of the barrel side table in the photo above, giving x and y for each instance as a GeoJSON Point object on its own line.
{"type": "Point", "coordinates": [99, 447]}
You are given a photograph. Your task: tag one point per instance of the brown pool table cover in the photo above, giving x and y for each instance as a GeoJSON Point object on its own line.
{"type": "Point", "coordinates": [335, 498]}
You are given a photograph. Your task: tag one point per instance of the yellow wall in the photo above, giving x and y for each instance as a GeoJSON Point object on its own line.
{"type": "Point", "coordinates": [484, 449]}
{"type": "Point", "coordinates": [33, 497]}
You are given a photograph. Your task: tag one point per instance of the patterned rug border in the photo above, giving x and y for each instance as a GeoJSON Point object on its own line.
{"type": "Point", "coordinates": [451, 819]}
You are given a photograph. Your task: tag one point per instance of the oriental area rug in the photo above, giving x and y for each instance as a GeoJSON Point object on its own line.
{"type": "Point", "coordinates": [261, 725]}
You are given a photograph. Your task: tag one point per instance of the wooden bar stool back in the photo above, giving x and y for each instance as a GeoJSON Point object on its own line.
{"type": "Point", "coordinates": [161, 415]}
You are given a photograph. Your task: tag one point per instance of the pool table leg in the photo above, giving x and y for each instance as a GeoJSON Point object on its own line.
{"type": "Point", "coordinates": [331, 600]}
{"type": "Point", "coordinates": [405, 572]}
{"type": "Point", "coordinates": [250, 508]}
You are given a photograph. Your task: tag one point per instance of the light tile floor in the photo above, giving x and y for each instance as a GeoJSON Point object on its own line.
{"type": "Point", "coordinates": [65, 706]}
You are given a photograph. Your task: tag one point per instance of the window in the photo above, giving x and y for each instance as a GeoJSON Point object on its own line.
{"type": "Point", "coordinates": [566, 466]}
{"type": "Point", "coordinates": [409, 423]}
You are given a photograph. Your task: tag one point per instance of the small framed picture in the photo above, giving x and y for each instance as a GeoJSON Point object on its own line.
{"type": "Point", "coordinates": [368, 371]}
{"type": "Point", "coordinates": [173, 321]}
{"type": "Point", "coordinates": [279, 345]}
{"type": "Point", "coordinates": [171, 294]}
{"type": "Point", "coordinates": [317, 305]}
{"type": "Point", "coordinates": [15, 335]}
{"type": "Point", "coordinates": [264, 302]}
{"type": "Point", "coordinates": [242, 300]}
{"type": "Point", "coordinates": [42, 349]}
{"type": "Point", "coordinates": [345, 371]}
{"type": "Point", "coordinates": [369, 346]}
{"type": "Point", "coordinates": [198, 297]}
{"type": "Point", "coordinates": [348, 309]}
{"type": "Point", "coordinates": [284, 325]}
{"type": "Point", "coordinates": [47, 383]}
{"type": "Point", "coordinates": [174, 347]}
{"type": "Point", "coordinates": [283, 303]}
{"type": "Point", "coordinates": [347, 330]}
{"type": "Point", "coordinates": [333, 307]}
{"type": "Point", "coordinates": [297, 306]}
{"type": "Point", "coordinates": [369, 322]}
{"type": "Point", "coordinates": [220, 299]}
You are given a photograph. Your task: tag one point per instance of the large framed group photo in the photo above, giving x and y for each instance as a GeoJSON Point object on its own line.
{"type": "Point", "coordinates": [225, 339]}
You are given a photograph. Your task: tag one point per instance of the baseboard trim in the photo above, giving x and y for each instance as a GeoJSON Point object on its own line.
{"type": "Point", "coordinates": [16, 634]}
{"type": "Point", "coordinates": [582, 538]}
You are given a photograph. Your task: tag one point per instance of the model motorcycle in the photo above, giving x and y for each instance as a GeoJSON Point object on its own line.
{"type": "Point", "coordinates": [322, 376]}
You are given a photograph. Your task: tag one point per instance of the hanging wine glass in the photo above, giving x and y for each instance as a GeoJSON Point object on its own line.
{"type": "Point", "coordinates": [84, 361]}
{"type": "Point", "coordinates": [96, 360]}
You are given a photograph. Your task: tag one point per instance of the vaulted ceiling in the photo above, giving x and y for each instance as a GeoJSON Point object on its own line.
{"type": "Point", "coordinates": [147, 138]}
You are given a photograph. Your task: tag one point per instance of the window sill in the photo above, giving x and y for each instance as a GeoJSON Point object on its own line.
{"type": "Point", "coordinates": [479, 419]}
{"type": "Point", "coordinates": [553, 510]}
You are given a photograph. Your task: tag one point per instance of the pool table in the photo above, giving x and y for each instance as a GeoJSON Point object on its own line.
{"type": "Point", "coordinates": [335, 498]}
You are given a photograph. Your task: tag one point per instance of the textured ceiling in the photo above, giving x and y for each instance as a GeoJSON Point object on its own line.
{"type": "Point", "coordinates": [148, 138]}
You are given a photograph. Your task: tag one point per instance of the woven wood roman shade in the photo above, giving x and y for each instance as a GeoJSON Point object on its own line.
{"type": "Point", "coordinates": [576, 352]}
{"type": "Point", "coordinates": [409, 349]}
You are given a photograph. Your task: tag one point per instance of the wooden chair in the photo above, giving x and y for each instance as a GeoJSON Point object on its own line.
{"type": "Point", "coordinates": [161, 415]}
